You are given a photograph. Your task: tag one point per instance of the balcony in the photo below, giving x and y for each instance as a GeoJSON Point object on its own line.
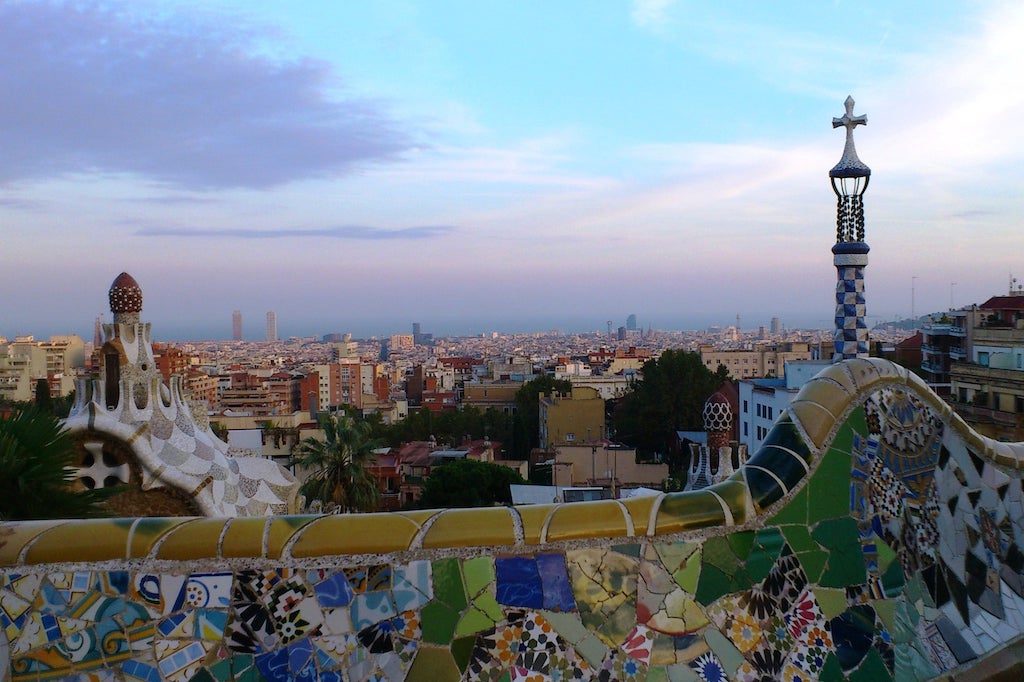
{"type": "Point", "coordinates": [957, 353]}
{"type": "Point", "coordinates": [986, 415]}
{"type": "Point", "coordinates": [933, 368]}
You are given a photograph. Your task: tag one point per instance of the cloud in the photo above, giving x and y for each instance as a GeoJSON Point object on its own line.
{"type": "Point", "coordinates": [649, 13]}
{"type": "Point", "coordinates": [193, 103]}
{"type": "Point", "coordinates": [361, 232]}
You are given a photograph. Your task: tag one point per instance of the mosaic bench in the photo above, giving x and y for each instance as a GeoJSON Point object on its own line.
{"type": "Point", "coordinates": [873, 537]}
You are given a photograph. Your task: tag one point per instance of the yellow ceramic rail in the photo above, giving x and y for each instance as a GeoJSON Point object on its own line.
{"type": "Point", "coordinates": [816, 413]}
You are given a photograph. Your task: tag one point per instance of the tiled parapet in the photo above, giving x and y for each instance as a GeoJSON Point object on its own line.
{"type": "Point", "coordinates": [874, 537]}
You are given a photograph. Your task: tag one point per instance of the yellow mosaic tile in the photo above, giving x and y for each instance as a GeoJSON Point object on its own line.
{"type": "Point", "coordinates": [146, 534]}
{"type": "Point", "coordinates": [838, 374]}
{"type": "Point", "coordinates": [587, 520]}
{"type": "Point", "coordinates": [688, 511]}
{"type": "Point", "coordinates": [736, 495]}
{"type": "Point", "coordinates": [419, 517]}
{"type": "Point", "coordinates": [244, 538]}
{"type": "Point", "coordinates": [81, 540]}
{"type": "Point", "coordinates": [889, 370]}
{"type": "Point", "coordinates": [865, 374]}
{"type": "Point", "coordinates": [471, 528]}
{"type": "Point", "coordinates": [197, 539]}
{"type": "Point", "coordinates": [354, 534]}
{"type": "Point", "coordinates": [533, 517]}
{"type": "Point", "coordinates": [641, 510]}
{"type": "Point", "coordinates": [16, 535]}
{"type": "Point", "coordinates": [828, 394]}
{"type": "Point", "coordinates": [816, 420]}
{"type": "Point", "coordinates": [282, 530]}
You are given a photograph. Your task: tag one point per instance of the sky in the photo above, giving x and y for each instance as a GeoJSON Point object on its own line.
{"type": "Point", "coordinates": [501, 166]}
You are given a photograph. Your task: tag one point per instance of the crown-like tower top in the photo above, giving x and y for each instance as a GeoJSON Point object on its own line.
{"type": "Point", "coordinates": [125, 295]}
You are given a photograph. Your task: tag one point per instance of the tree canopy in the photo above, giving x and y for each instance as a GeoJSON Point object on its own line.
{"type": "Point", "coordinates": [36, 471]}
{"type": "Point", "coordinates": [670, 396]}
{"type": "Point", "coordinates": [339, 474]}
{"type": "Point", "coordinates": [469, 483]}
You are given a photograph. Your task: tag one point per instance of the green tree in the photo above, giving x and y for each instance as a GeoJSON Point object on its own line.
{"type": "Point", "coordinates": [469, 483]}
{"type": "Point", "coordinates": [526, 428]}
{"type": "Point", "coordinates": [43, 401]}
{"type": "Point", "coordinates": [36, 471]}
{"type": "Point", "coordinates": [670, 396]}
{"type": "Point", "coordinates": [338, 465]}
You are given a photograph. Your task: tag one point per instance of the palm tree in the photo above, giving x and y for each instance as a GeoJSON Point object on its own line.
{"type": "Point", "coordinates": [339, 474]}
{"type": "Point", "coordinates": [37, 471]}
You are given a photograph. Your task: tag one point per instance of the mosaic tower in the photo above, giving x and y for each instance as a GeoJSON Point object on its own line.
{"type": "Point", "coordinates": [850, 178]}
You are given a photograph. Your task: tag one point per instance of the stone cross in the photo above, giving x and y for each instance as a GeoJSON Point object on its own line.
{"type": "Point", "coordinates": [849, 120]}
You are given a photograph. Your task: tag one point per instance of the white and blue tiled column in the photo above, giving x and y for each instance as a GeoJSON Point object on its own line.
{"type": "Point", "coordinates": [851, 333]}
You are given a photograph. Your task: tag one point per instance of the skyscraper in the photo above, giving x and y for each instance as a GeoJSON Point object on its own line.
{"type": "Point", "coordinates": [631, 322]}
{"type": "Point", "coordinates": [271, 326]}
{"type": "Point", "coordinates": [236, 325]}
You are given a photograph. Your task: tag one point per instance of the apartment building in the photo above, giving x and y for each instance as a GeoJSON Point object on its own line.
{"type": "Point", "coordinates": [761, 360]}
{"type": "Point", "coordinates": [987, 374]}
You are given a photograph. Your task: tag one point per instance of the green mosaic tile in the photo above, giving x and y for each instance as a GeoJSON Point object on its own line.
{"type": "Point", "coordinates": [448, 585]}
{"type": "Point", "coordinates": [831, 601]}
{"type": "Point", "coordinates": [720, 554]}
{"type": "Point", "coordinates": [472, 622]}
{"type": "Point", "coordinates": [656, 675]}
{"type": "Point", "coordinates": [846, 559]}
{"type": "Point", "coordinates": [592, 649]}
{"type": "Point", "coordinates": [673, 554]}
{"type": "Point", "coordinates": [686, 577]}
{"type": "Point", "coordinates": [893, 580]}
{"type": "Point", "coordinates": [681, 673]}
{"type": "Point", "coordinates": [829, 488]}
{"type": "Point", "coordinates": [566, 624]}
{"type": "Point", "coordinates": [438, 623]}
{"type": "Point", "coordinates": [712, 585]}
{"type": "Point", "coordinates": [764, 489]}
{"type": "Point", "coordinates": [872, 669]}
{"type": "Point", "coordinates": [462, 650]}
{"type": "Point", "coordinates": [768, 545]}
{"type": "Point", "coordinates": [814, 564]}
{"type": "Point", "coordinates": [741, 544]}
{"type": "Point", "coordinates": [627, 550]}
{"type": "Point", "coordinates": [479, 573]}
{"type": "Point", "coordinates": [433, 664]}
{"type": "Point", "coordinates": [885, 554]}
{"type": "Point", "coordinates": [831, 670]}
{"type": "Point", "coordinates": [729, 656]}
{"type": "Point", "coordinates": [489, 606]}
{"type": "Point", "coordinates": [885, 609]}
{"type": "Point", "coordinates": [203, 676]}
{"type": "Point", "coordinates": [795, 512]}
{"type": "Point", "coordinates": [799, 538]}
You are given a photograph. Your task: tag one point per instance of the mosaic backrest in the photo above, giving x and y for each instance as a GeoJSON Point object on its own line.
{"type": "Point", "coordinates": [874, 536]}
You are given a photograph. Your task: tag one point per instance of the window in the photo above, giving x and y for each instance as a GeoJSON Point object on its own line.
{"type": "Point", "coordinates": [745, 410]}
{"type": "Point", "coordinates": [983, 358]}
{"type": "Point", "coordinates": [746, 431]}
{"type": "Point", "coordinates": [570, 436]}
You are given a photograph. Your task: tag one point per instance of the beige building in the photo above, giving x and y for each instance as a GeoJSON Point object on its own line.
{"type": "Point", "coordinates": [500, 395]}
{"type": "Point", "coordinates": [574, 418]}
{"type": "Point", "coordinates": [767, 360]}
{"type": "Point", "coordinates": [987, 370]}
{"type": "Point", "coordinates": [604, 465]}
{"type": "Point", "coordinates": [25, 361]}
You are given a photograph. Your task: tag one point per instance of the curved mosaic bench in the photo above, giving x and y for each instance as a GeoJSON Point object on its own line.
{"type": "Point", "coordinates": [874, 536]}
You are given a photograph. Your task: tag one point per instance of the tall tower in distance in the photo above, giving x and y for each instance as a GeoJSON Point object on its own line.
{"type": "Point", "coordinates": [850, 178]}
{"type": "Point", "coordinates": [236, 325]}
{"type": "Point", "coordinates": [631, 322]}
{"type": "Point", "coordinates": [271, 326]}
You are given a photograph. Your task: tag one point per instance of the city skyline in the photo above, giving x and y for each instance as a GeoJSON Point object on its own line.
{"type": "Point", "coordinates": [356, 168]}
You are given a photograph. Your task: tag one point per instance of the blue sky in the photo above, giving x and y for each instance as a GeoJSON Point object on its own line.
{"type": "Point", "coordinates": [498, 166]}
